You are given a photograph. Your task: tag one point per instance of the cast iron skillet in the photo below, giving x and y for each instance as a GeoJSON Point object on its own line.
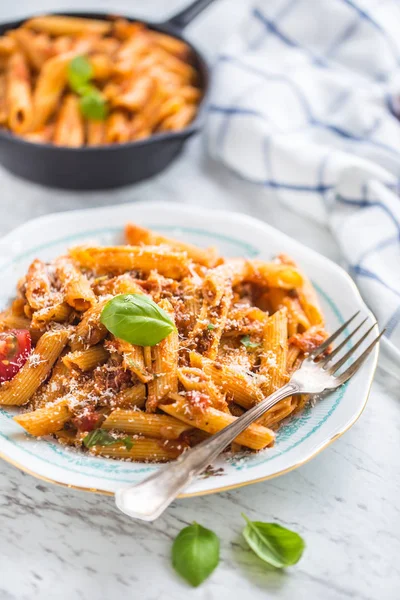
{"type": "Point", "coordinates": [91, 168]}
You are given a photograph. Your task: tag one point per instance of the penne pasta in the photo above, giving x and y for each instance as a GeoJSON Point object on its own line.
{"type": "Point", "coordinates": [131, 397]}
{"type": "Point", "coordinates": [62, 44]}
{"type": "Point", "coordinates": [46, 420]}
{"type": "Point", "coordinates": [36, 48]}
{"type": "Point", "coordinates": [189, 93]}
{"type": "Point", "coordinates": [135, 93]}
{"type": "Point", "coordinates": [86, 360]}
{"type": "Point", "coordinates": [274, 274]}
{"type": "Point", "coordinates": [206, 334]}
{"type": "Point", "coordinates": [274, 352]}
{"type": "Point", "coordinates": [123, 258]}
{"type": "Point", "coordinates": [69, 129]}
{"type": "Point", "coordinates": [19, 94]}
{"type": "Point", "coordinates": [310, 303]}
{"type": "Point", "coordinates": [7, 46]}
{"type": "Point", "coordinates": [143, 449]}
{"type": "Point", "coordinates": [44, 135]}
{"type": "Point", "coordinates": [50, 84]}
{"type": "Point", "coordinates": [281, 411]}
{"type": "Point", "coordinates": [194, 379]}
{"type": "Point", "coordinates": [60, 25]}
{"type": "Point", "coordinates": [297, 319]}
{"type": "Point", "coordinates": [118, 128]}
{"type": "Point", "coordinates": [102, 66]}
{"type": "Point", "coordinates": [212, 420]}
{"type": "Point", "coordinates": [150, 425]}
{"type": "Point", "coordinates": [132, 359]}
{"type": "Point", "coordinates": [38, 285]}
{"type": "Point", "coordinates": [307, 296]}
{"type": "Point", "coordinates": [130, 53]}
{"type": "Point", "coordinates": [3, 99]}
{"type": "Point", "coordinates": [19, 390]}
{"type": "Point", "coordinates": [54, 388]}
{"type": "Point", "coordinates": [165, 365]}
{"type": "Point", "coordinates": [241, 386]}
{"type": "Point", "coordinates": [227, 275]}
{"type": "Point", "coordinates": [90, 331]}
{"type": "Point", "coordinates": [171, 44]}
{"type": "Point", "coordinates": [95, 133]}
{"type": "Point", "coordinates": [18, 307]}
{"type": "Point", "coordinates": [76, 287]}
{"type": "Point", "coordinates": [136, 236]}
{"type": "Point", "coordinates": [58, 313]}
{"type": "Point", "coordinates": [179, 119]}
{"type": "Point", "coordinates": [293, 355]}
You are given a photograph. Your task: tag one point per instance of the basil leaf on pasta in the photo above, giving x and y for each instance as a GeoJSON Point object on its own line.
{"type": "Point", "coordinates": [127, 443]}
{"type": "Point", "coordinates": [98, 437]}
{"type": "Point", "coordinates": [79, 73]}
{"type": "Point", "coordinates": [101, 437]}
{"type": "Point", "coordinates": [93, 105]}
{"type": "Point", "coordinates": [136, 319]}
{"type": "Point", "coordinates": [274, 544]}
{"type": "Point", "coordinates": [195, 553]}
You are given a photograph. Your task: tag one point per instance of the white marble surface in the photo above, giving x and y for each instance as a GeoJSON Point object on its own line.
{"type": "Point", "coordinates": [58, 543]}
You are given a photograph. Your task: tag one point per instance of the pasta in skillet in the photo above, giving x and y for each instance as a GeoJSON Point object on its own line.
{"type": "Point", "coordinates": [202, 340]}
{"type": "Point", "coordinates": [77, 81]}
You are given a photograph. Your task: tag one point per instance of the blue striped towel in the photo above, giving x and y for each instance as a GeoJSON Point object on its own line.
{"type": "Point", "coordinates": [305, 102]}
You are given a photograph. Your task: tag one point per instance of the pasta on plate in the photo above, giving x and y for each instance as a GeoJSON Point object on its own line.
{"type": "Point", "coordinates": [75, 81]}
{"type": "Point", "coordinates": [235, 329]}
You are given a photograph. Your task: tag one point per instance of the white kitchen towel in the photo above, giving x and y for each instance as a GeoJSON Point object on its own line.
{"type": "Point", "coordinates": [304, 102]}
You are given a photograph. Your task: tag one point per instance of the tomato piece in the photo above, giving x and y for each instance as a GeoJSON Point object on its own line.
{"type": "Point", "coordinates": [15, 347]}
{"type": "Point", "coordinates": [87, 421]}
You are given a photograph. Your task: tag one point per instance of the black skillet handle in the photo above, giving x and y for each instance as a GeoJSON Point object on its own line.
{"type": "Point", "coordinates": [186, 16]}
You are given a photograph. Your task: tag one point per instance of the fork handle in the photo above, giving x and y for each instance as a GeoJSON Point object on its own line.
{"type": "Point", "coordinates": [149, 498]}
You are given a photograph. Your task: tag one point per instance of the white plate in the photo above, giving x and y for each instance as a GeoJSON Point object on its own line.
{"type": "Point", "coordinates": [301, 438]}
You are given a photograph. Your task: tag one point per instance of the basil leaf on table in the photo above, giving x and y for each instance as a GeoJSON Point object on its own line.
{"type": "Point", "coordinates": [195, 553]}
{"type": "Point", "coordinates": [136, 319]}
{"type": "Point", "coordinates": [274, 544]}
{"type": "Point", "coordinates": [247, 343]}
{"type": "Point", "coordinates": [80, 72]}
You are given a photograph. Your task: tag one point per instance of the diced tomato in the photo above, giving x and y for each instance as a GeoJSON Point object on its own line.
{"type": "Point", "coordinates": [87, 421]}
{"type": "Point", "coordinates": [15, 347]}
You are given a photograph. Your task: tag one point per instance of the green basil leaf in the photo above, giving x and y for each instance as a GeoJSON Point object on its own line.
{"type": "Point", "coordinates": [195, 553]}
{"type": "Point", "coordinates": [274, 544]}
{"type": "Point", "coordinates": [210, 326]}
{"type": "Point", "coordinates": [92, 104]}
{"type": "Point", "coordinates": [128, 443]}
{"type": "Point", "coordinates": [98, 437]}
{"type": "Point", "coordinates": [136, 319]}
{"type": "Point", "coordinates": [247, 343]}
{"type": "Point", "coordinates": [80, 71]}
{"type": "Point", "coordinates": [86, 88]}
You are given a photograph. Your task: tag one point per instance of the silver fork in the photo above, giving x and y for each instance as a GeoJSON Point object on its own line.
{"type": "Point", "coordinates": [149, 498]}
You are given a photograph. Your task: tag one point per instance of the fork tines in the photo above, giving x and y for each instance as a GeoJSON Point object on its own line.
{"type": "Point", "coordinates": [326, 361]}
